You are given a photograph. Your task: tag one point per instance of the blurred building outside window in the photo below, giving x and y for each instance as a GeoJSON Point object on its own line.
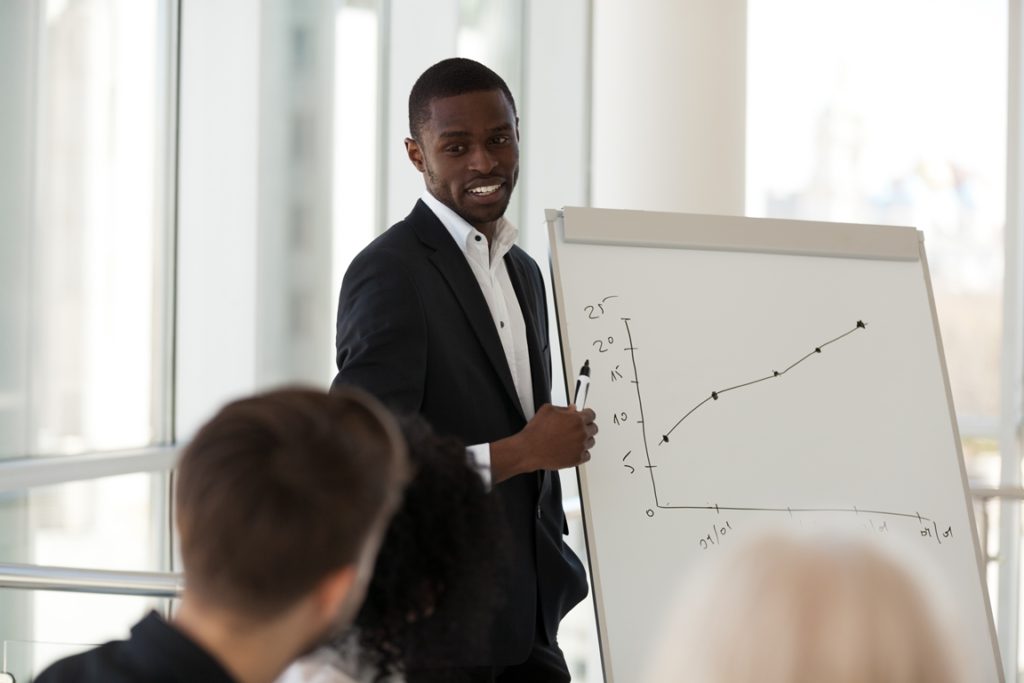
{"type": "Point", "coordinates": [909, 132]}
{"type": "Point", "coordinates": [85, 368]}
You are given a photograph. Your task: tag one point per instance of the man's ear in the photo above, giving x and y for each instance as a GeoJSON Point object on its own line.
{"type": "Point", "coordinates": [333, 590]}
{"type": "Point", "coordinates": [412, 148]}
{"type": "Point", "coordinates": [517, 129]}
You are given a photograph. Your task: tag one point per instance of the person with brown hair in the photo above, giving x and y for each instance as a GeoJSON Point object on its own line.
{"type": "Point", "coordinates": [783, 608]}
{"type": "Point", "coordinates": [281, 502]}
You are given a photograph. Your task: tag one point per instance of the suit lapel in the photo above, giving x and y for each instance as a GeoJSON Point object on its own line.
{"type": "Point", "coordinates": [541, 387]}
{"type": "Point", "coordinates": [534, 343]}
{"type": "Point", "coordinates": [451, 262]}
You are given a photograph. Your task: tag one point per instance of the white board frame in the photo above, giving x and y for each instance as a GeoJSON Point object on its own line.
{"type": "Point", "coordinates": [742, 234]}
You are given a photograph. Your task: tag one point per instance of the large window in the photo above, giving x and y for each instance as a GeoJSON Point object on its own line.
{"type": "Point", "coordinates": [908, 132]}
{"type": "Point", "coordinates": [85, 314]}
{"type": "Point", "coordinates": [86, 248]}
{"type": "Point", "coordinates": [895, 113]}
{"type": "Point", "coordinates": [117, 522]}
{"type": "Point", "coordinates": [357, 137]}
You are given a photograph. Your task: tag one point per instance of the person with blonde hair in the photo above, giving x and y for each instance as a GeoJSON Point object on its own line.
{"type": "Point", "coordinates": [788, 609]}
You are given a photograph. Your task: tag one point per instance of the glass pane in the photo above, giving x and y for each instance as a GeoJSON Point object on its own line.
{"type": "Point", "coordinates": [40, 627]}
{"type": "Point", "coordinates": [490, 31]}
{"type": "Point", "coordinates": [909, 132]}
{"type": "Point", "coordinates": [110, 523]}
{"type": "Point", "coordinates": [986, 515]}
{"type": "Point", "coordinates": [356, 137]}
{"type": "Point", "coordinates": [87, 316]}
{"type": "Point", "coordinates": [117, 523]}
{"type": "Point", "coordinates": [981, 456]}
{"type": "Point", "coordinates": [577, 634]}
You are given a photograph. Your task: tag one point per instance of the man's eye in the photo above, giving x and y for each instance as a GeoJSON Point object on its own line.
{"type": "Point", "coordinates": [455, 149]}
{"type": "Point", "coordinates": [501, 139]}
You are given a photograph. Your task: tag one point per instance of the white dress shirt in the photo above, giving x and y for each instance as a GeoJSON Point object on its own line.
{"type": "Point", "coordinates": [487, 261]}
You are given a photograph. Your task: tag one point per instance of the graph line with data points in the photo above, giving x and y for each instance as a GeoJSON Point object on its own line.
{"type": "Point", "coordinates": [715, 395]}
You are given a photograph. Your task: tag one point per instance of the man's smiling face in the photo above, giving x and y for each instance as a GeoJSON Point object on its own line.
{"type": "Point", "coordinates": [468, 152]}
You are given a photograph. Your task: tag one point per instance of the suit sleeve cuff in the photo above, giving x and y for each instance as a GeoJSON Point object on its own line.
{"type": "Point", "coordinates": [480, 455]}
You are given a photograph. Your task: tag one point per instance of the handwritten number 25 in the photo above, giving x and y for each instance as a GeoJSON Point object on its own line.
{"type": "Point", "coordinates": [600, 307]}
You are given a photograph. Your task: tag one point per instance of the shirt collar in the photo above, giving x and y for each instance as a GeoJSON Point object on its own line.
{"type": "Point", "coordinates": [163, 652]}
{"type": "Point", "coordinates": [505, 234]}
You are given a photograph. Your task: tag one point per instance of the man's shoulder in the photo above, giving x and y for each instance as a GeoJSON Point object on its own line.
{"type": "Point", "coordinates": [156, 652]}
{"type": "Point", "coordinates": [402, 237]}
{"type": "Point", "coordinates": [520, 256]}
{"type": "Point", "coordinates": [397, 256]}
{"type": "Point", "coordinates": [105, 663]}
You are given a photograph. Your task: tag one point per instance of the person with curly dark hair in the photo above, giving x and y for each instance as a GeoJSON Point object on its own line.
{"type": "Point", "coordinates": [435, 574]}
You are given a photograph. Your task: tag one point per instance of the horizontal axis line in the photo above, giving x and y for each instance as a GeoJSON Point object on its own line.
{"type": "Point", "coordinates": [792, 510]}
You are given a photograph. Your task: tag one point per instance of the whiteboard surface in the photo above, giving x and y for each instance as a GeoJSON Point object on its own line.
{"type": "Point", "coordinates": [740, 389]}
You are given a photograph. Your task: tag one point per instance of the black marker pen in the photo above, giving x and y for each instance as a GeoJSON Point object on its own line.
{"type": "Point", "coordinates": [582, 386]}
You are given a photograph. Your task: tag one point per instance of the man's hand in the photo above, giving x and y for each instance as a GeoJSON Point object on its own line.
{"type": "Point", "coordinates": [554, 439]}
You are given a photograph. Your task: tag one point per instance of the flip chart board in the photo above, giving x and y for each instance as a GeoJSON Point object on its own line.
{"type": "Point", "coordinates": [749, 372]}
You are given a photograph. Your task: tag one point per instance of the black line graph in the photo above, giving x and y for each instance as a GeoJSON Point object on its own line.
{"type": "Point", "coordinates": [715, 395]}
{"type": "Point", "coordinates": [651, 467]}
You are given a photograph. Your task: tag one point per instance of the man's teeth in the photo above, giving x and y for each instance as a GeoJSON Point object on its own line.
{"type": "Point", "coordinates": [484, 190]}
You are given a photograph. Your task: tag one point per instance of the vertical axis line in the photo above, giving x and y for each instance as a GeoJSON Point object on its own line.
{"type": "Point", "coordinates": [643, 420]}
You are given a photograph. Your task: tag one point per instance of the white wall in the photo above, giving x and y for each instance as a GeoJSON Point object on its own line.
{"type": "Point", "coordinates": [254, 216]}
{"type": "Point", "coordinates": [432, 28]}
{"type": "Point", "coordinates": [294, 316]}
{"type": "Point", "coordinates": [218, 202]}
{"type": "Point", "coordinates": [554, 116]}
{"type": "Point", "coordinates": [669, 105]}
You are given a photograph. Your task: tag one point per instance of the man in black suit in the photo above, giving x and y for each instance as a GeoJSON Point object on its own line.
{"type": "Point", "coordinates": [443, 315]}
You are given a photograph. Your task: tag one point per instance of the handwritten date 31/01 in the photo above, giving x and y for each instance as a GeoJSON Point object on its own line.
{"type": "Point", "coordinates": [718, 533]}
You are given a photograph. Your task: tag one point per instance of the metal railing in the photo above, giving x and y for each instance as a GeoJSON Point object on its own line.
{"type": "Point", "coordinates": [170, 584]}
{"type": "Point", "coordinates": [982, 497]}
{"type": "Point", "coordinates": [103, 581]}
{"type": "Point", "coordinates": [27, 473]}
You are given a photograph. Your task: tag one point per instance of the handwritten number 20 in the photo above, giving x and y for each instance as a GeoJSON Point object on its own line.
{"type": "Point", "coordinates": [599, 343]}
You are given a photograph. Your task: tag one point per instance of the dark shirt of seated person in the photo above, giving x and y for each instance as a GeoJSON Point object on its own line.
{"type": "Point", "coordinates": [281, 502]}
{"type": "Point", "coordinates": [436, 574]}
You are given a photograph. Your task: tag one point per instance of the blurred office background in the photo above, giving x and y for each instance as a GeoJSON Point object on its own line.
{"type": "Point", "coordinates": [183, 182]}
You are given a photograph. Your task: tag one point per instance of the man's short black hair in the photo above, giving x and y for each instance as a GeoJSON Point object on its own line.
{"type": "Point", "coordinates": [447, 78]}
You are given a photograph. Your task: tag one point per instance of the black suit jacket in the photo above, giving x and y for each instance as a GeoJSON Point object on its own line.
{"type": "Point", "coordinates": [414, 329]}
